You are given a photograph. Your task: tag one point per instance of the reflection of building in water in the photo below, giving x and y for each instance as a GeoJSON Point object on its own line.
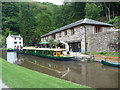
{"type": "Point", "coordinates": [11, 57]}
{"type": "Point", "coordinates": [77, 75]}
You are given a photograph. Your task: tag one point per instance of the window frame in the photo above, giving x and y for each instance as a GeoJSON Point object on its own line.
{"type": "Point", "coordinates": [72, 31]}
{"type": "Point", "coordinates": [15, 42]}
{"type": "Point", "coordinates": [60, 34]}
{"type": "Point", "coordinates": [97, 29]}
{"type": "Point", "coordinates": [65, 32]}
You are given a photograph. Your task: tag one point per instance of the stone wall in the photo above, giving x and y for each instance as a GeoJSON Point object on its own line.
{"type": "Point", "coordinates": [96, 41]}
{"type": "Point", "coordinates": [103, 41]}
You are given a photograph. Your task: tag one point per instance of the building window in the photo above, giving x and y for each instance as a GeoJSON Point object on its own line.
{"type": "Point", "coordinates": [66, 32]}
{"type": "Point", "coordinates": [72, 31]}
{"type": "Point", "coordinates": [59, 34]}
{"type": "Point", "coordinates": [53, 36]}
{"type": "Point", "coordinates": [46, 38]}
{"type": "Point", "coordinates": [15, 38]}
{"type": "Point", "coordinates": [15, 42]}
{"type": "Point", "coordinates": [19, 42]}
{"type": "Point", "coordinates": [19, 38]}
{"type": "Point", "coordinates": [98, 29]}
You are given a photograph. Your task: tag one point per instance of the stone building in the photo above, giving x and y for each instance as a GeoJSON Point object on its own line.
{"type": "Point", "coordinates": [76, 34]}
{"type": "Point", "coordinates": [14, 41]}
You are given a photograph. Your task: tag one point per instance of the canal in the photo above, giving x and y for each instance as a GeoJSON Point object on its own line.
{"type": "Point", "coordinates": [87, 73]}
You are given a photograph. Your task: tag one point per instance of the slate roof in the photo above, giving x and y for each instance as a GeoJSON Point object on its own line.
{"type": "Point", "coordinates": [16, 36]}
{"type": "Point", "coordinates": [80, 22]}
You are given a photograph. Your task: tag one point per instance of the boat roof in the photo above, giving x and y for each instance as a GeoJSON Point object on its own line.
{"type": "Point", "coordinates": [44, 43]}
{"type": "Point", "coordinates": [53, 49]}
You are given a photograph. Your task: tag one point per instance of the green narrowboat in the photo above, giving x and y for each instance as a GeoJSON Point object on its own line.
{"type": "Point", "coordinates": [110, 63]}
{"type": "Point", "coordinates": [56, 54]}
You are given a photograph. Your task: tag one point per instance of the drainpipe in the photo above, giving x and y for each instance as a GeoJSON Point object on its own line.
{"type": "Point", "coordinates": [85, 39]}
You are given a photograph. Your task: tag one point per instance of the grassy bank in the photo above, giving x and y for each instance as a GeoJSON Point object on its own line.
{"type": "Point", "coordinates": [114, 54]}
{"type": "Point", "coordinates": [15, 76]}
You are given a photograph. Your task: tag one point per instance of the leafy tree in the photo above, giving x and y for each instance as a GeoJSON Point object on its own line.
{"type": "Point", "coordinates": [27, 23]}
{"type": "Point", "coordinates": [10, 17]}
{"type": "Point", "coordinates": [93, 10]}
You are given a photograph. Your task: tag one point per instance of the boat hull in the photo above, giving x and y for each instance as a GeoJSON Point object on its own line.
{"type": "Point", "coordinates": [60, 58]}
{"type": "Point", "coordinates": [110, 63]}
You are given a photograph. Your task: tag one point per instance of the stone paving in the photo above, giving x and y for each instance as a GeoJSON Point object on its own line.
{"type": "Point", "coordinates": [79, 55]}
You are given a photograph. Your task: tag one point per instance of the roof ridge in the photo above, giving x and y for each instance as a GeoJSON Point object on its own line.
{"type": "Point", "coordinates": [79, 22]}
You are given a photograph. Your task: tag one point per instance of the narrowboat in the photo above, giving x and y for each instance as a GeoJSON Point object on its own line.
{"type": "Point", "coordinates": [56, 54]}
{"type": "Point", "coordinates": [110, 63]}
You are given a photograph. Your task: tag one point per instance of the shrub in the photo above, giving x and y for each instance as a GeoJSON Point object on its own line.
{"type": "Point", "coordinates": [103, 53]}
{"type": "Point", "coordinates": [87, 52]}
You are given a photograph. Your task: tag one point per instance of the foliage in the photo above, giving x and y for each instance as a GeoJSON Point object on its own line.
{"type": "Point", "coordinates": [93, 10]}
{"type": "Point", "coordinates": [87, 52]}
{"type": "Point", "coordinates": [103, 53]}
{"type": "Point", "coordinates": [114, 54]}
{"type": "Point", "coordinates": [115, 21]}
{"type": "Point", "coordinates": [71, 12]}
{"type": "Point", "coordinates": [2, 41]}
{"type": "Point", "coordinates": [33, 19]}
{"type": "Point", "coordinates": [53, 43]}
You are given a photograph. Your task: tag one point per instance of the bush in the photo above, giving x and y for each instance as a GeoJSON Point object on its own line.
{"type": "Point", "coordinates": [103, 53]}
{"type": "Point", "coordinates": [87, 52]}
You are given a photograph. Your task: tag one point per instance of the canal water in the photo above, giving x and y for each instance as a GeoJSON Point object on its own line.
{"type": "Point", "coordinates": [88, 73]}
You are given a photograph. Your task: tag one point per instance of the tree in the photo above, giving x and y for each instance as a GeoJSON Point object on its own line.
{"type": "Point", "coordinates": [53, 43]}
{"type": "Point", "coordinates": [71, 12]}
{"type": "Point", "coordinates": [93, 10]}
{"type": "Point", "coordinates": [27, 23]}
{"type": "Point", "coordinates": [10, 16]}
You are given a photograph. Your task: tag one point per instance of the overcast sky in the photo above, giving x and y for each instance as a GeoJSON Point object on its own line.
{"type": "Point", "coordinates": [57, 2]}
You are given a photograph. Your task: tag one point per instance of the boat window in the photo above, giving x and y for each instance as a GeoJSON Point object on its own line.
{"type": "Point", "coordinates": [43, 52]}
{"type": "Point", "coordinates": [49, 53]}
{"type": "Point", "coordinates": [61, 52]}
{"type": "Point", "coordinates": [54, 53]}
{"type": "Point", "coordinates": [58, 53]}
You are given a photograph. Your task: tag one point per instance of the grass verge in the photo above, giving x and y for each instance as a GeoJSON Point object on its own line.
{"type": "Point", "coordinates": [15, 76]}
{"type": "Point", "coordinates": [114, 54]}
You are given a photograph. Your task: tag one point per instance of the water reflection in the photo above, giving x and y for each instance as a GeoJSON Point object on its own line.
{"type": "Point", "coordinates": [86, 73]}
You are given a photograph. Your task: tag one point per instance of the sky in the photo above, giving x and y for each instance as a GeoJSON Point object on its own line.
{"type": "Point", "coordinates": [57, 2]}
